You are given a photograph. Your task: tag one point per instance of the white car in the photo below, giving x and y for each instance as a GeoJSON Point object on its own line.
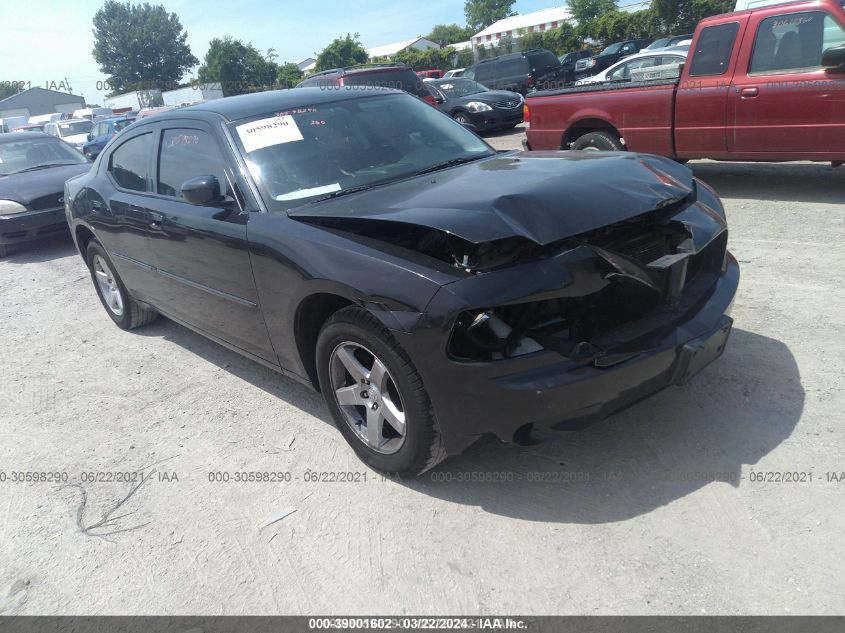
{"type": "Point", "coordinates": [621, 71]}
{"type": "Point", "coordinates": [73, 131]}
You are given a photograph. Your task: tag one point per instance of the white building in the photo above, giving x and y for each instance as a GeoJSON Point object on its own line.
{"type": "Point", "coordinates": [462, 46]}
{"type": "Point", "coordinates": [195, 93]}
{"type": "Point", "coordinates": [307, 65]}
{"type": "Point", "coordinates": [134, 100]}
{"type": "Point", "coordinates": [389, 50]}
{"type": "Point", "coordinates": [514, 26]}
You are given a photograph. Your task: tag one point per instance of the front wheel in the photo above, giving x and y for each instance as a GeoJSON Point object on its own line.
{"type": "Point", "coordinates": [598, 142]}
{"type": "Point", "coordinates": [116, 299]}
{"type": "Point", "coordinates": [376, 396]}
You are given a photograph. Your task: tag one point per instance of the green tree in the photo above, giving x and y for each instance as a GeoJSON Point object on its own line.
{"type": "Point", "coordinates": [8, 90]}
{"type": "Point", "coordinates": [239, 67]}
{"type": "Point", "coordinates": [562, 40]}
{"type": "Point", "coordinates": [288, 75]}
{"type": "Point", "coordinates": [585, 11]}
{"type": "Point", "coordinates": [681, 16]}
{"type": "Point", "coordinates": [343, 51]}
{"type": "Point", "coordinates": [482, 13]}
{"type": "Point", "coordinates": [623, 25]}
{"type": "Point", "coordinates": [140, 46]}
{"type": "Point", "coordinates": [449, 34]}
{"type": "Point", "coordinates": [430, 59]}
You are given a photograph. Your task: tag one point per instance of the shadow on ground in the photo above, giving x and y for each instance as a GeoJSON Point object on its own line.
{"type": "Point", "coordinates": [736, 411]}
{"type": "Point", "coordinates": [791, 182]}
{"type": "Point", "coordinates": [43, 250]}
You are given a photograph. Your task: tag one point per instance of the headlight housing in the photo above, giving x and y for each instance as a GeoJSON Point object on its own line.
{"type": "Point", "coordinates": [10, 207]}
{"type": "Point", "coordinates": [477, 106]}
{"type": "Point", "coordinates": [591, 63]}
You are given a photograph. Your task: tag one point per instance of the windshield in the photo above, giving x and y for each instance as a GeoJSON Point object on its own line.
{"type": "Point", "coordinates": [74, 128]}
{"type": "Point", "coordinates": [307, 153]}
{"type": "Point", "coordinates": [460, 87]}
{"type": "Point", "coordinates": [26, 154]}
{"type": "Point", "coordinates": [613, 48]}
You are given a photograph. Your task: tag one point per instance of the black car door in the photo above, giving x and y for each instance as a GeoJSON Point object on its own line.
{"type": "Point", "coordinates": [204, 270]}
{"type": "Point", "coordinates": [120, 211]}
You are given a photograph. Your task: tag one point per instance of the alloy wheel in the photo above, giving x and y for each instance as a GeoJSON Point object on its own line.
{"type": "Point", "coordinates": [367, 397]}
{"type": "Point", "coordinates": [107, 284]}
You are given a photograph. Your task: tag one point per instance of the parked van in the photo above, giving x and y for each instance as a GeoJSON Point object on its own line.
{"type": "Point", "coordinates": [45, 118]}
{"type": "Point", "coordinates": [92, 113]}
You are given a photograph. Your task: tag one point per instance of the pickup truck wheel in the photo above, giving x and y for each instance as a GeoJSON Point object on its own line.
{"type": "Point", "coordinates": [119, 304]}
{"type": "Point", "coordinates": [376, 396]}
{"type": "Point", "coordinates": [598, 142]}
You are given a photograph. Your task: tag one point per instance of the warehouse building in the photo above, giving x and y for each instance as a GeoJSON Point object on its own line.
{"type": "Point", "coordinates": [37, 101]}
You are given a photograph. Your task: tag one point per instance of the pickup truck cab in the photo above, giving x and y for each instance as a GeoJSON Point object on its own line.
{"type": "Point", "coordinates": [761, 84]}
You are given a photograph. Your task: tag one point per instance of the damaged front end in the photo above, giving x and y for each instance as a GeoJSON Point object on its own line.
{"type": "Point", "coordinates": [602, 298]}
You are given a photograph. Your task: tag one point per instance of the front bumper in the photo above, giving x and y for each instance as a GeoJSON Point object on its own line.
{"type": "Point", "coordinates": [496, 118]}
{"type": "Point", "coordinates": [500, 397]}
{"type": "Point", "coordinates": [32, 225]}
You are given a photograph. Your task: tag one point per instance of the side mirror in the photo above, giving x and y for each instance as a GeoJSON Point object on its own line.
{"type": "Point", "coordinates": [438, 99]}
{"type": "Point", "coordinates": [90, 136]}
{"type": "Point", "coordinates": [201, 190]}
{"type": "Point", "coordinates": [470, 127]}
{"type": "Point", "coordinates": [834, 58]}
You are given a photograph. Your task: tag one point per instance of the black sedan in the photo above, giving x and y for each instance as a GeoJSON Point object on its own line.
{"type": "Point", "coordinates": [467, 101]}
{"type": "Point", "coordinates": [435, 291]}
{"type": "Point", "coordinates": [33, 170]}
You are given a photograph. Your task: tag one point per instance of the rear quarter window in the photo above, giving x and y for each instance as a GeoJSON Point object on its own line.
{"type": "Point", "coordinates": [541, 59]}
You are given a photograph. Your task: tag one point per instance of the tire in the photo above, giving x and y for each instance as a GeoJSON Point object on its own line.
{"type": "Point", "coordinates": [598, 142]}
{"type": "Point", "coordinates": [116, 299]}
{"type": "Point", "coordinates": [353, 338]}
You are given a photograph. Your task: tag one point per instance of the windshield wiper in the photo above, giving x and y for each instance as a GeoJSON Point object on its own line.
{"type": "Point", "coordinates": [343, 192]}
{"type": "Point", "coordinates": [450, 163]}
{"type": "Point", "coordinates": [37, 167]}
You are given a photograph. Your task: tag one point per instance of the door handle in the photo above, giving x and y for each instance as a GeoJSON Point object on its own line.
{"type": "Point", "coordinates": [748, 93]}
{"type": "Point", "coordinates": [155, 220]}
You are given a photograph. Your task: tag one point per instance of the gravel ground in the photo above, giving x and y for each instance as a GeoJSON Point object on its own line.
{"type": "Point", "coordinates": [626, 517]}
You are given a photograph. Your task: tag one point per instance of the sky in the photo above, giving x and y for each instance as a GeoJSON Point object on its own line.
{"type": "Point", "coordinates": [54, 50]}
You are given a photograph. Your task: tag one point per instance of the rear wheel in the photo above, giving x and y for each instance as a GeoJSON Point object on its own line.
{"type": "Point", "coordinates": [376, 396]}
{"type": "Point", "coordinates": [598, 142]}
{"type": "Point", "coordinates": [119, 304]}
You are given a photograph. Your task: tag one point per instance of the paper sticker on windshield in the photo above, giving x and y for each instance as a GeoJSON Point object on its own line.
{"type": "Point", "coordinates": [267, 132]}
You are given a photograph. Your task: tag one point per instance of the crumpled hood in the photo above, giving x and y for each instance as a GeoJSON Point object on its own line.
{"type": "Point", "coordinates": [542, 196]}
{"type": "Point", "coordinates": [26, 187]}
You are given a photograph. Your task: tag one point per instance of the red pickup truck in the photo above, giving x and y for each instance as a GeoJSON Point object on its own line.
{"type": "Point", "coordinates": [763, 84]}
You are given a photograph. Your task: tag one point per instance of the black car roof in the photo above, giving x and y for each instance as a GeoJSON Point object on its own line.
{"type": "Point", "coordinates": [249, 105]}
{"type": "Point", "coordinates": [18, 136]}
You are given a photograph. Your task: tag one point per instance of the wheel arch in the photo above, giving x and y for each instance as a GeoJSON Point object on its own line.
{"type": "Point", "coordinates": [585, 126]}
{"type": "Point", "coordinates": [83, 236]}
{"type": "Point", "coordinates": [311, 314]}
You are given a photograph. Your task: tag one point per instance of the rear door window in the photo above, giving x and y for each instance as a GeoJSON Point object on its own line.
{"type": "Point", "coordinates": [512, 67]}
{"type": "Point", "coordinates": [541, 60]}
{"type": "Point", "coordinates": [713, 50]}
{"type": "Point", "coordinates": [791, 42]}
{"type": "Point", "coordinates": [485, 72]}
{"type": "Point", "coordinates": [129, 163]}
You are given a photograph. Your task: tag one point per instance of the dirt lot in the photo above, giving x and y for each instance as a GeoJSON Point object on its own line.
{"type": "Point", "coordinates": [625, 517]}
